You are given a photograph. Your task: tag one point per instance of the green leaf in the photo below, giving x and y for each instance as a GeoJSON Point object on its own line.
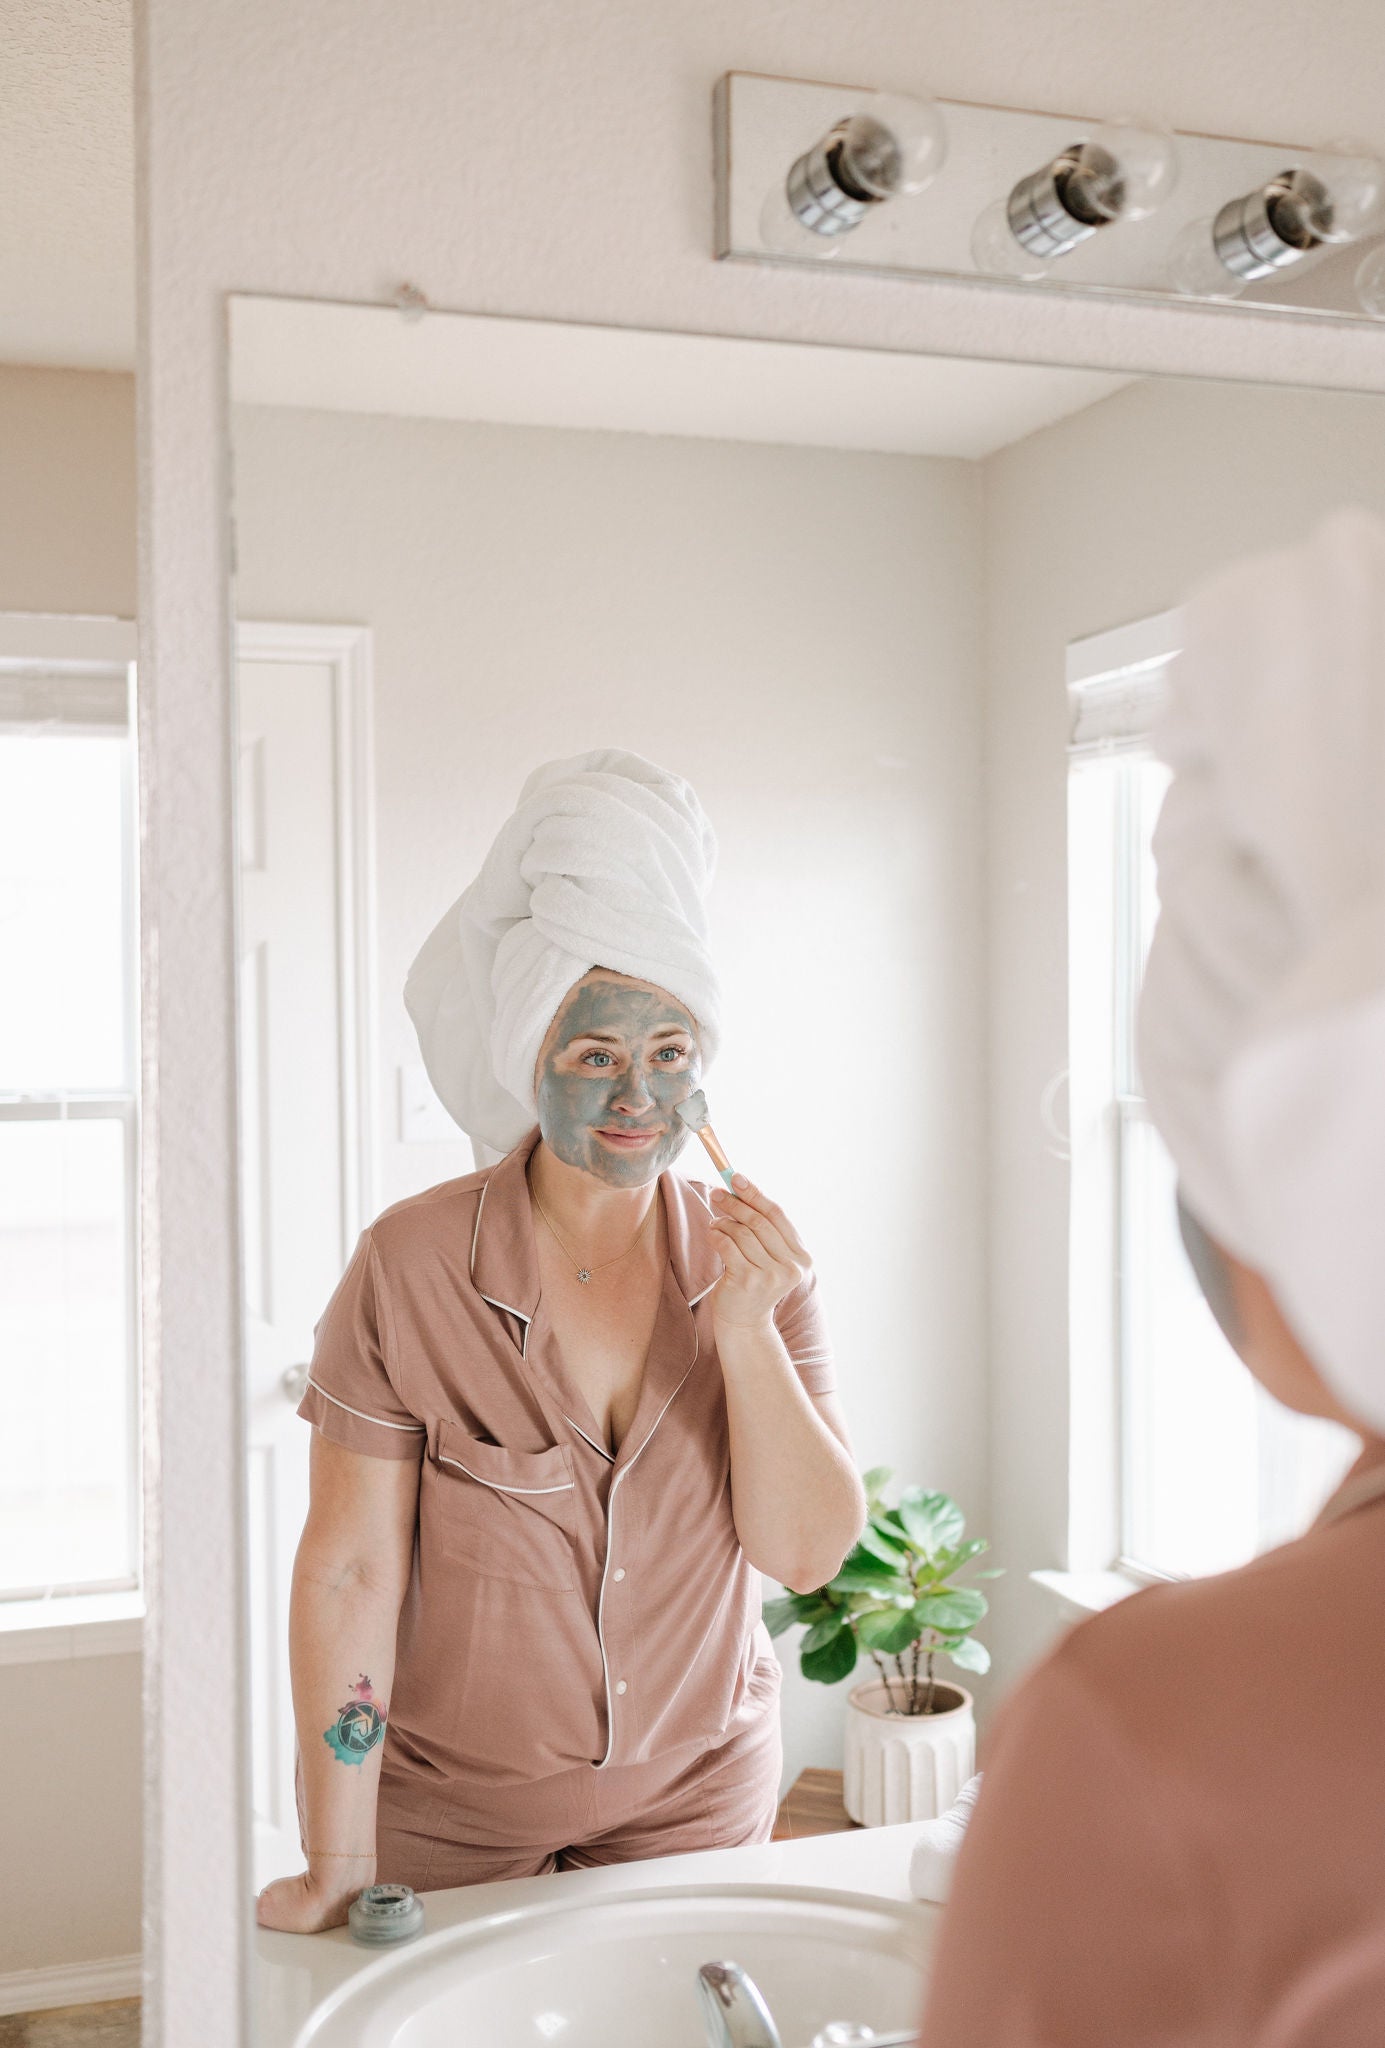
{"type": "Point", "coordinates": [889, 1629]}
{"type": "Point", "coordinates": [863, 1573]}
{"type": "Point", "coordinates": [875, 1481]}
{"type": "Point", "coordinates": [960, 1609]}
{"type": "Point", "coordinates": [932, 1520]}
{"type": "Point", "coordinates": [968, 1654]}
{"type": "Point", "coordinates": [778, 1615]}
{"type": "Point", "coordinates": [888, 1550]}
{"type": "Point", "coordinates": [834, 1661]}
{"type": "Point", "coordinates": [952, 1560]}
{"type": "Point", "coordinates": [821, 1633]}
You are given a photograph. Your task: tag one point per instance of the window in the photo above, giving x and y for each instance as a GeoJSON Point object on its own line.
{"type": "Point", "coordinates": [69, 1451]}
{"type": "Point", "coordinates": [1200, 1469]}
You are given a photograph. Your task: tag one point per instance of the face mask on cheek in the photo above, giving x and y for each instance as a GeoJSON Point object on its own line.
{"type": "Point", "coordinates": [574, 1104]}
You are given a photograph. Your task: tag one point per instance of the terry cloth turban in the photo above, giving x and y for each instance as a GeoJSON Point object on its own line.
{"type": "Point", "coordinates": [606, 862]}
{"type": "Point", "coordinates": [1263, 1016]}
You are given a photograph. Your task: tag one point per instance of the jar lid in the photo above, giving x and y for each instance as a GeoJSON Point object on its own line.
{"type": "Point", "coordinates": [384, 1913]}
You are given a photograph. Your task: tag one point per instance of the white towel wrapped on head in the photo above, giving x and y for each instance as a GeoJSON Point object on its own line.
{"type": "Point", "coordinates": [1262, 1025]}
{"type": "Point", "coordinates": [606, 862]}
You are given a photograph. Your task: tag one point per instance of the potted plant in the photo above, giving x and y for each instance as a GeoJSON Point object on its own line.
{"type": "Point", "coordinates": [910, 1736]}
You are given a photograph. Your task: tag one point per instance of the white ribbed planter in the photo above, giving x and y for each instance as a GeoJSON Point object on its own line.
{"type": "Point", "coordinates": [905, 1766]}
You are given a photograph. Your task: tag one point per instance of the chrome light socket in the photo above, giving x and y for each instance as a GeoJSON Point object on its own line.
{"type": "Point", "coordinates": [1275, 226]}
{"type": "Point", "coordinates": [1054, 209]}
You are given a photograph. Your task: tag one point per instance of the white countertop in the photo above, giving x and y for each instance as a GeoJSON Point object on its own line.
{"type": "Point", "coordinates": [295, 1972]}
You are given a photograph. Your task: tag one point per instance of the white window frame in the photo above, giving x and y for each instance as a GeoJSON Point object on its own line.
{"type": "Point", "coordinates": [1115, 685]}
{"type": "Point", "coordinates": [88, 665]}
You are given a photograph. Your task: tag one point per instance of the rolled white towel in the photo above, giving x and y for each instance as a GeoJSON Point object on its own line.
{"type": "Point", "coordinates": [606, 862]}
{"type": "Point", "coordinates": [934, 1854]}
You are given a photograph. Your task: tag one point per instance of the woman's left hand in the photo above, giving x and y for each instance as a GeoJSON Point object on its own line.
{"type": "Point", "coordinates": [762, 1253]}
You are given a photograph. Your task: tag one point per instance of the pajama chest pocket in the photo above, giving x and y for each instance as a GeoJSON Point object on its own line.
{"type": "Point", "coordinates": [506, 1514]}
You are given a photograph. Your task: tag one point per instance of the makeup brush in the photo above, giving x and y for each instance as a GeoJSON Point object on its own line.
{"type": "Point", "coordinates": [696, 1116]}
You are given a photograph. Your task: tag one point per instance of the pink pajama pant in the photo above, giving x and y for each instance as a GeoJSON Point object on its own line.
{"type": "Point", "coordinates": [433, 1837]}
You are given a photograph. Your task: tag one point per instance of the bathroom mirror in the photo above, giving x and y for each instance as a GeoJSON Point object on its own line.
{"type": "Point", "coordinates": [864, 603]}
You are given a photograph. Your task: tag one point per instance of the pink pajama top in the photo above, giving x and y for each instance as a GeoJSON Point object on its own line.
{"type": "Point", "coordinates": [1181, 1835]}
{"type": "Point", "coordinates": [567, 1606]}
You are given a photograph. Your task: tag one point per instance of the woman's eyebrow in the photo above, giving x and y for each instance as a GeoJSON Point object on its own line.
{"type": "Point", "coordinates": [612, 1038]}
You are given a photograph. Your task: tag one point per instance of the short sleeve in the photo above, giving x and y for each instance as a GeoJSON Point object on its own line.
{"type": "Point", "coordinates": [353, 1395]}
{"type": "Point", "coordinates": [1080, 1911]}
{"type": "Point", "coordinates": [803, 1328]}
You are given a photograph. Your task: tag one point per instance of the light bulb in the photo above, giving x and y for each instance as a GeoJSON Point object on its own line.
{"type": "Point", "coordinates": [995, 250]}
{"type": "Point", "coordinates": [893, 145]}
{"type": "Point", "coordinates": [1196, 270]}
{"type": "Point", "coordinates": [1353, 188]}
{"type": "Point", "coordinates": [1370, 284]}
{"type": "Point", "coordinates": [1119, 173]}
{"type": "Point", "coordinates": [1131, 170]}
{"type": "Point", "coordinates": [885, 147]}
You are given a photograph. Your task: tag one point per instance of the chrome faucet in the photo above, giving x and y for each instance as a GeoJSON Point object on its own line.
{"type": "Point", "coordinates": [733, 2011]}
{"type": "Point", "coordinates": [736, 2016]}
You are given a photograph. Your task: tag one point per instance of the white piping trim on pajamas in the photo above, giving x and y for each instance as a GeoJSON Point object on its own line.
{"type": "Point", "coordinates": [609, 1456]}
{"type": "Point", "coordinates": [409, 1428]}
{"type": "Point", "coordinates": [601, 1597]}
{"type": "Point", "coordinates": [518, 1313]}
{"type": "Point", "coordinates": [496, 1487]}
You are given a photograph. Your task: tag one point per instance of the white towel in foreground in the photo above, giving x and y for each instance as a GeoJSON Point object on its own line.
{"type": "Point", "coordinates": [606, 862]}
{"type": "Point", "coordinates": [1262, 1025]}
{"type": "Point", "coordinates": [934, 1855]}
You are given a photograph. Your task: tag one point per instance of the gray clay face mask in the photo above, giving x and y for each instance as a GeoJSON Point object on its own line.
{"type": "Point", "coordinates": [617, 1058]}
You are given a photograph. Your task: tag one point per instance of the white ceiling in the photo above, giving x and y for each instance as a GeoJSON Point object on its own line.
{"type": "Point", "coordinates": [67, 298]}
{"type": "Point", "coordinates": [67, 235]}
{"type": "Point", "coordinates": [545, 373]}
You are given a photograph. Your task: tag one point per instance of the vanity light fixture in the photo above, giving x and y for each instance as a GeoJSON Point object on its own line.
{"type": "Point", "coordinates": [1119, 173]}
{"type": "Point", "coordinates": [1370, 284]}
{"type": "Point", "coordinates": [1331, 197]}
{"type": "Point", "coordinates": [888, 146]}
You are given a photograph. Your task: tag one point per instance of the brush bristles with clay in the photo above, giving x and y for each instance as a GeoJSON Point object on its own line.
{"type": "Point", "coordinates": [695, 1115]}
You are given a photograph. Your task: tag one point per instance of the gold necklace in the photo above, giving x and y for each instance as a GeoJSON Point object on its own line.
{"type": "Point", "coordinates": [584, 1273]}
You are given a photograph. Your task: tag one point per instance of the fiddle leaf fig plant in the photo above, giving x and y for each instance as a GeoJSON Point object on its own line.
{"type": "Point", "coordinates": [895, 1598]}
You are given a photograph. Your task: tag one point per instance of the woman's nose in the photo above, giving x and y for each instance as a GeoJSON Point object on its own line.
{"type": "Point", "coordinates": [634, 1095]}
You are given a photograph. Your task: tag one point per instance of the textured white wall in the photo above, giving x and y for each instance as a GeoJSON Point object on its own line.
{"type": "Point", "coordinates": [1104, 518]}
{"type": "Point", "coordinates": [70, 1806]}
{"type": "Point", "coordinates": [797, 631]}
{"type": "Point", "coordinates": [548, 158]}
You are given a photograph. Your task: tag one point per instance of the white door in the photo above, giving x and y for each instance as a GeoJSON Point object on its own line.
{"type": "Point", "coordinates": [301, 1178]}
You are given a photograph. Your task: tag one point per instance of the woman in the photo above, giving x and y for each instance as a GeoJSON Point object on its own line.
{"type": "Point", "coordinates": [1181, 1836]}
{"type": "Point", "coordinates": [564, 1409]}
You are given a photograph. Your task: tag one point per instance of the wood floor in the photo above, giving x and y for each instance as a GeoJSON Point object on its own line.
{"type": "Point", "coordinates": [115, 2025]}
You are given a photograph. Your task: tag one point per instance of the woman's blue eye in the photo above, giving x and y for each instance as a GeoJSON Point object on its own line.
{"type": "Point", "coordinates": [598, 1056]}
{"type": "Point", "coordinates": [675, 1052]}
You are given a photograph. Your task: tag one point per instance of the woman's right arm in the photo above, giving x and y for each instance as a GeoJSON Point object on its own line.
{"type": "Point", "coordinates": [349, 1580]}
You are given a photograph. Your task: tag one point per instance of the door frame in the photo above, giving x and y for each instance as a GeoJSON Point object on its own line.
{"type": "Point", "coordinates": [348, 653]}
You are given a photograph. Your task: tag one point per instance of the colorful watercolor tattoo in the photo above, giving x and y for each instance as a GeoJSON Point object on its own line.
{"type": "Point", "coordinates": [359, 1727]}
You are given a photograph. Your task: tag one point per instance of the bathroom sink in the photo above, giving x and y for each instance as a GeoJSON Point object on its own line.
{"type": "Point", "coordinates": [621, 1969]}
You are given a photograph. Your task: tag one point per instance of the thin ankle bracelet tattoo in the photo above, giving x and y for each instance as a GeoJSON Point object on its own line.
{"type": "Point", "coordinates": [359, 1727]}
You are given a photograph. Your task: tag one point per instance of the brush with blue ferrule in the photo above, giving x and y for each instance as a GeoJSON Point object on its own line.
{"type": "Point", "coordinates": [695, 1115]}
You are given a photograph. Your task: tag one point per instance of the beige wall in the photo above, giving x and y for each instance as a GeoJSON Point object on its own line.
{"type": "Point", "coordinates": [1104, 518]}
{"type": "Point", "coordinates": [796, 630]}
{"type": "Point", "coordinates": [70, 1766]}
{"type": "Point", "coordinates": [67, 491]}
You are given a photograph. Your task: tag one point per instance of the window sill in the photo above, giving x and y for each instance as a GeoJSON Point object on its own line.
{"type": "Point", "coordinates": [80, 1625]}
{"type": "Point", "coordinates": [1088, 1592]}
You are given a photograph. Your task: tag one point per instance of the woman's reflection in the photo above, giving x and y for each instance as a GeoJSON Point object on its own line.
{"type": "Point", "coordinates": [564, 1410]}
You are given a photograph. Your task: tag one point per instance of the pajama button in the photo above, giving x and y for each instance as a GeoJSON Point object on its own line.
{"type": "Point", "coordinates": [621, 1686]}
{"type": "Point", "coordinates": [619, 1574]}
